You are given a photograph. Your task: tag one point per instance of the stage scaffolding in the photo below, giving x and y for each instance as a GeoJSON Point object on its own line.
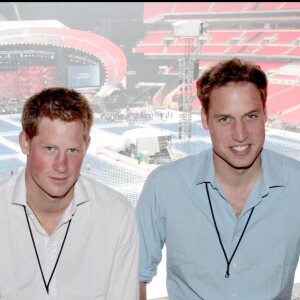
{"type": "Point", "coordinates": [191, 31]}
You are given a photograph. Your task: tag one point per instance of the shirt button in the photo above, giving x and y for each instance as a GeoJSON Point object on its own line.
{"type": "Point", "coordinates": [236, 236]}
{"type": "Point", "coordinates": [234, 265]}
{"type": "Point", "coordinates": [229, 208]}
{"type": "Point", "coordinates": [234, 295]}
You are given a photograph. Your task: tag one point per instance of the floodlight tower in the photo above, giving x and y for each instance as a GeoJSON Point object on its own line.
{"type": "Point", "coordinates": [188, 72]}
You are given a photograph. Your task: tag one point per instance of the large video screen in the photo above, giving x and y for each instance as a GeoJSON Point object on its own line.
{"type": "Point", "coordinates": [83, 76]}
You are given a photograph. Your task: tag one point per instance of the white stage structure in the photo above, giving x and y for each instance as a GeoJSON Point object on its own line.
{"type": "Point", "coordinates": [191, 31]}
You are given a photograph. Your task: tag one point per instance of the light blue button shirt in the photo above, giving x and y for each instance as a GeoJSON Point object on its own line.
{"type": "Point", "coordinates": [173, 209]}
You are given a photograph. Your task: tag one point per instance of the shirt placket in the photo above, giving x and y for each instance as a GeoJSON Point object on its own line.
{"type": "Point", "coordinates": [234, 265]}
{"type": "Point", "coordinates": [235, 227]}
{"type": "Point", "coordinates": [42, 240]}
{"type": "Point", "coordinates": [51, 255]}
{"type": "Point", "coordinates": [229, 227]}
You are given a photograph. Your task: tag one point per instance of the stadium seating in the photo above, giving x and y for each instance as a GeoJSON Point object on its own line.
{"type": "Point", "coordinates": [214, 48]}
{"type": "Point", "coordinates": [286, 37]}
{"type": "Point", "coordinates": [285, 100]}
{"type": "Point", "coordinates": [155, 10]}
{"type": "Point", "coordinates": [228, 6]}
{"type": "Point", "coordinates": [258, 41]}
{"type": "Point", "coordinates": [26, 80]}
{"type": "Point", "coordinates": [269, 65]}
{"type": "Point", "coordinates": [253, 41]}
{"type": "Point", "coordinates": [223, 36]}
{"type": "Point", "coordinates": [182, 7]}
{"type": "Point", "coordinates": [176, 49]}
{"type": "Point", "coordinates": [9, 84]}
{"type": "Point", "coordinates": [119, 130]}
{"type": "Point", "coordinates": [273, 50]}
{"type": "Point", "coordinates": [9, 165]}
{"type": "Point", "coordinates": [274, 89]}
{"type": "Point", "coordinates": [14, 138]}
{"type": "Point", "coordinates": [155, 37]}
{"type": "Point", "coordinates": [4, 150]}
{"type": "Point", "coordinates": [290, 5]}
{"type": "Point", "coordinates": [152, 9]}
{"type": "Point", "coordinates": [295, 51]}
{"type": "Point", "coordinates": [149, 48]}
{"type": "Point", "coordinates": [8, 127]}
{"type": "Point", "coordinates": [115, 175]}
{"type": "Point", "coordinates": [290, 117]}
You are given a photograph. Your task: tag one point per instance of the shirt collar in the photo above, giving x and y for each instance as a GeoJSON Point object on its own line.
{"type": "Point", "coordinates": [19, 193]}
{"type": "Point", "coordinates": [271, 169]}
{"type": "Point", "coordinates": [206, 170]}
{"type": "Point", "coordinates": [272, 176]}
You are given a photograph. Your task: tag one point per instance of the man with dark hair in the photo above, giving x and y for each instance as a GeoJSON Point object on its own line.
{"type": "Point", "coordinates": [63, 236]}
{"type": "Point", "coordinates": [229, 215]}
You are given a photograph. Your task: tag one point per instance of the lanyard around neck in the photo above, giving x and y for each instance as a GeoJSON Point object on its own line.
{"type": "Point", "coordinates": [218, 233]}
{"type": "Point", "coordinates": [37, 256]}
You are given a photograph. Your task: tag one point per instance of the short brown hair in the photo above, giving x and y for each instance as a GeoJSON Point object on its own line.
{"type": "Point", "coordinates": [233, 70]}
{"type": "Point", "coordinates": [56, 103]}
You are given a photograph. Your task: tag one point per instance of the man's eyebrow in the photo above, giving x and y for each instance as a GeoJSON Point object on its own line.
{"type": "Point", "coordinates": [255, 110]}
{"type": "Point", "coordinates": [221, 115]}
{"type": "Point", "coordinates": [225, 115]}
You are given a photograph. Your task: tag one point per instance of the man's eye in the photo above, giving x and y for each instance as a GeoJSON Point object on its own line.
{"type": "Point", "coordinates": [224, 119]}
{"type": "Point", "coordinates": [73, 150]}
{"type": "Point", "coordinates": [49, 148]}
{"type": "Point", "coordinates": [251, 116]}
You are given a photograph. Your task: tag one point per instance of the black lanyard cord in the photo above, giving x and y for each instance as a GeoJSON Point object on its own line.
{"type": "Point", "coordinates": [37, 256]}
{"type": "Point", "coordinates": [218, 233]}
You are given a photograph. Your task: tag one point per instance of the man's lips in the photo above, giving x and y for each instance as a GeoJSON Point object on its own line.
{"type": "Point", "coordinates": [240, 148]}
{"type": "Point", "coordinates": [59, 180]}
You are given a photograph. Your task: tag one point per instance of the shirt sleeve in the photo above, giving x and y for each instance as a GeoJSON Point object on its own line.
{"type": "Point", "coordinates": [124, 284]}
{"type": "Point", "coordinates": [151, 222]}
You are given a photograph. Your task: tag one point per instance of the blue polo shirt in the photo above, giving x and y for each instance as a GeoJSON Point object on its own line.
{"type": "Point", "coordinates": [174, 210]}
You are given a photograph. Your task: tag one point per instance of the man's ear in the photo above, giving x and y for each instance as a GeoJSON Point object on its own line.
{"type": "Point", "coordinates": [265, 114]}
{"type": "Point", "coordinates": [24, 143]}
{"type": "Point", "coordinates": [204, 119]}
{"type": "Point", "coordinates": [87, 143]}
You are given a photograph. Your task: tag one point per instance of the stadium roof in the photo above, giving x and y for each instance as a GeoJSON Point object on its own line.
{"type": "Point", "coordinates": [4, 25]}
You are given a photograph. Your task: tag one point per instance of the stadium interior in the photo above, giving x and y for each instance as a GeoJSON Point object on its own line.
{"type": "Point", "coordinates": [137, 63]}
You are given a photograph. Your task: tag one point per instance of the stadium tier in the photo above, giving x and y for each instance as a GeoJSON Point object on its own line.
{"type": "Point", "coordinates": [265, 32]}
{"type": "Point", "coordinates": [232, 41]}
{"type": "Point", "coordinates": [154, 10]}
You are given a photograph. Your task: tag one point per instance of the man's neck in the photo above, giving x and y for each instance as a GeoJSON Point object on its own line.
{"type": "Point", "coordinates": [48, 213]}
{"type": "Point", "coordinates": [237, 184]}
